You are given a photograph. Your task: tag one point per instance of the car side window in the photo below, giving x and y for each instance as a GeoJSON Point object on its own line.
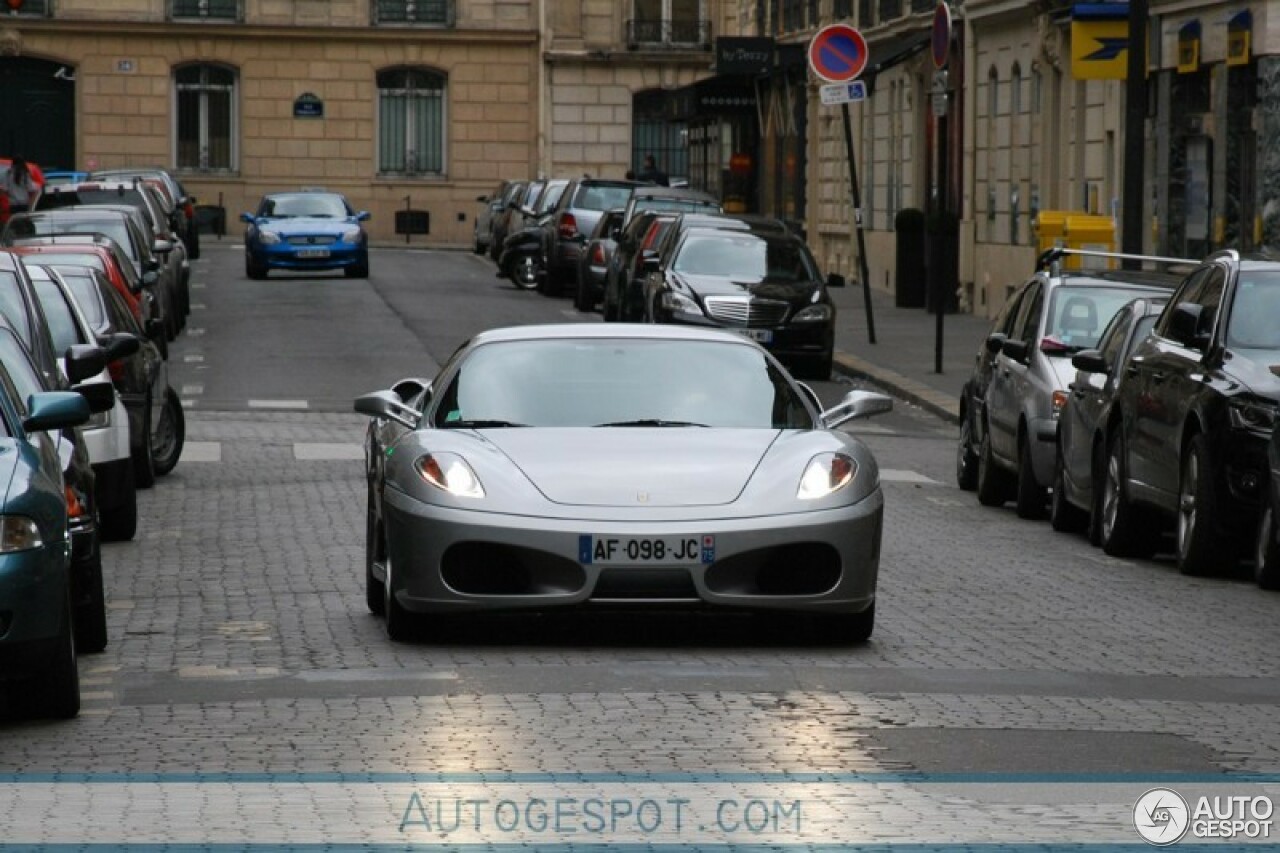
{"type": "Point", "coordinates": [1113, 336]}
{"type": "Point", "coordinates": [1028, 321]}
{"type": "Point", "coordinates": [1210, 297]}
{"type": "Point", "coordinates": [1004, 320]}
{"type": "Point", "coordinates": [1187, 292]}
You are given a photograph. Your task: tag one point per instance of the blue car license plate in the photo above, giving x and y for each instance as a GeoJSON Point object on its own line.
{"type": "Point", "coordinates": [645, 550]}
{"type": "Point", "coordinates": [313, 253]}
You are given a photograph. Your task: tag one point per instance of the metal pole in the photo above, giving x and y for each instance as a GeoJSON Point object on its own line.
{"type": "Point", "coordinates": [1135, 116]}
{"type": "Point", "coordinates": [407, 208]}
{"type": "Point", "coordinates": [857, 218]}
{"type": "Point", "coordinates": [940, 297]}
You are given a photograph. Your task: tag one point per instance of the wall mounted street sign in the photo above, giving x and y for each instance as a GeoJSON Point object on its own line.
{"type": "Point", "coordinates": [940, 43]}
{"type": "Point", "coordinates": [843, 93]}
{"type": "Point", "coordinates": [838, 53]}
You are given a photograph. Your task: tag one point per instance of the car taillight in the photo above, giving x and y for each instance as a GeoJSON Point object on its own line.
{"type": "Point", "coordinates": [190, 210]}
{"type": "Point", "coordinates": [568, 227]}
{"type": "Point", "coordinates": [597, 255]}
{"type": "Point", "coordinates": [1059, 402]}
{"type": "Point", "coordinates": [75, 508]}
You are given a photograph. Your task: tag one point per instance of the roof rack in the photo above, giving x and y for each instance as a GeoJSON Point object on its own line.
{"type": "Point", "coordinates": [1051, 259]}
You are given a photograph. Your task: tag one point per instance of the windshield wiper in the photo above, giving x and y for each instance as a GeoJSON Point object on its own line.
{"type": "Point", "coordinates": [479, 424]}
{"type": "Point", "coordinates": [651, 422]}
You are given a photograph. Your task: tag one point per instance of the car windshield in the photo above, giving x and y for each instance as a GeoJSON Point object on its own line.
{"type": "Point", "coordinates": [62, 324]}
{"type": "Point", "coordinates": [1255, 313]}
{"type": "Point", "coordinates": [304, 204]}
{"type": "Point", "coordinates": [1078, 314]}
{"type": "Point", "coordinates": [602, 197]}
{"type": "Point", "coordinates": [596, 382]}
{"type": "Point", "coordinates": [744, 257]}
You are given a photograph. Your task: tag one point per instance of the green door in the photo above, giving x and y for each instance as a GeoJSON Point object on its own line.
{"type": "Point", "coordinates": [37, 111]}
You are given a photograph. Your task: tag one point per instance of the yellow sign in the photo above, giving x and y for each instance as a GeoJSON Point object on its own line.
{"type": "Point", "coordinates": [1239, 33]}
{"type": "Point", "coordinates": [1189, 48]}
{"type": "Point", "coordinates": [1100, 49]}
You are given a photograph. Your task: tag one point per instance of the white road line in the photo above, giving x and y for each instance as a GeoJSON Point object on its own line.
{"type": "Point", "coordinates": [278, 404]}
{"type": "Point", "coordinates": [197, 306]}
{"type": "Point", "coordinates": [891, 475]}
{"type": "Point", "coordinates": [188, 390]}
{"type": "Point", "coordinates": [193, 358]}
{"type": "Point", "coordinates": [319, 451]}
{"type": "Point", "coordinates": [202, 451]}
{"type": "Point", "coordinates": [195, 332]}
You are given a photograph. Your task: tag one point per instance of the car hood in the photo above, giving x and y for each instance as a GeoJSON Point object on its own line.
{"type": "Point", "coordinates": [306, 225]}
{"type": "Point", "coordinates": [1256, 369]}
{"type": "Point", "coordinates": [717, 285]}
{"type": "Point", "coordinates": [628, 466]}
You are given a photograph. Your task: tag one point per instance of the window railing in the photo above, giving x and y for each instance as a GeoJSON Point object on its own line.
{"type": "Point", "coordinates": [669, 34]}
{"type": "Point", "coordinates": [434, 12]}
{"type": "Point", "coordinates": [207, 10]}
{"type": "Point", "coordinates": [28, 8]}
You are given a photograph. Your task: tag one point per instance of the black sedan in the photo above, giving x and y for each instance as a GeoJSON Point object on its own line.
{"type": "Point", "coordinates": [760, 283]}
{"type": "Point", "coordinates": [1079, 496]}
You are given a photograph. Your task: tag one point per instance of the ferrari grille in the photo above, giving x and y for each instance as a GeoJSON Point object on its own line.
{"type": "Point", "coordinates": [740, 311]}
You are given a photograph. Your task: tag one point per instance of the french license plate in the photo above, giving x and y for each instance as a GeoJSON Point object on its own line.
{"type": "Point", "coordinates": [313, 253]}
{"type": "Point", "coordinates": [763, 336]}
{"type": "Point", "coordinates": [645, 550]}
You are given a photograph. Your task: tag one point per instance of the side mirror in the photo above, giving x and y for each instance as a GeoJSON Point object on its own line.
{"type": "Point", "coordinates": [363, 216]}
{"type": "Point", "coordinates": [856, 404]}
{"type": "Point", "coordinates": [162, 247]}
{"type": "Point", "coordinates": [101, 396]}
{"type": "Point", "coordinates": [55, 410]}
{"type": "Point", "coordinates": [120, 345]}
{"type": "Point", "coordinates": [149, 278]}
{"type": "Point", "coordinates": [248, 217]}
{"type": "Point", "coordinates": [835, 280]}
{"type": "Point", "coordinates": [83, 361]}
{"type": "Point", "coordinates": [1090, 361]}
{"type": "Point", "coordinates": [995, 341]}
{"type": "Point", "coordinates": [1016, 350]}
{"type": "Point", "coordinates": [387, 404]}
{"type": "Point", "coordinates": [1186, 325]}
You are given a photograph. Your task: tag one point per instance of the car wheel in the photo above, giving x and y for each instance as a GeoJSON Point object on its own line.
{"type": "Point", "coordinates": [144, 460]}
{"type": "Point", "coordinates": [1200, 549]}
{"type": "Point", "coordinates": [1266, 558]}
{"type": "Point", "coordinates": [582, 299]}
{"type": "Point", "coordinates": [374, 590]}
{"type": "Point", "coordinates": [57, 688]}
{"type": "Point", "coordinates": [479, 248]}
{"type": "Point", "coordinates": [966, 457]}
{"type": "Point", "coordinates": [170, 434]}
{"type": "Point", "coordinates": [91, 615]}
{"type": "Point", "coordinates": [1121, 532]}
{"type": "Point", "coordinates": [523, 272]}
{"type": "Point", "coordinates": [1064, 515]}
{"type": "Point", "coordinates": [1029, 497]}
{"type": "Point", "coordinates": [993, 482]}
{"type": "Point", "coordinates": [360, 270]}
{"type": "Point", "coordinates": [253, 269]}
{"type": "Point", "coordinates": [193, 242]}
{"type": "Point", "coordinates": [399, 621]}
{"type": "Point", "coordinates": [120, 523]}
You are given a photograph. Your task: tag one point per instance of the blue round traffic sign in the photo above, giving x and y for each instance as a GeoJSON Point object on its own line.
{"type": "Point", "coordinates": [940, 43]}
{"type": "Point", "coordinates": [838, 53]}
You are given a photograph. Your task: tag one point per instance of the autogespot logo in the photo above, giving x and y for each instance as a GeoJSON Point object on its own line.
{"type": "Point", "coordinates": [1161, 817]}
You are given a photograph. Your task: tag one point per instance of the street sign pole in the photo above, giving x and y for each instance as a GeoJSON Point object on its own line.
{"type": "Point", "coordinates": [940, 49]}
{"type": "Point", "coordinates": [856, 198]}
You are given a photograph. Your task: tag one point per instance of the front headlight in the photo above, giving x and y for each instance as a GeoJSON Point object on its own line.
{"type": "Point", "coordinates": [18, 533]}
{"type": "Point", "coordinates": [813, 314]}
{"type": "Point", "coordinates": [352, 235]}
{"type": "Point", "coordinates": [1255, 416]}
{"type": "Point", "coordinates": [679, 303]}
{"type": "Point", "coordinates": [449, 472]}
{"type": "Point", "coordinates": [826, 473]}
{"type": "Point", "coordinates": [268, 238]}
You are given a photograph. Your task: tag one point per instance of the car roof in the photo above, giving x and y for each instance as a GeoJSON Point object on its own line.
{"type": "Point", "coordinates": [1110, 278]}
{"type": "Point", "coordinates": [673, 192]}
{"type": "Point", "coordinates": [607, 331]}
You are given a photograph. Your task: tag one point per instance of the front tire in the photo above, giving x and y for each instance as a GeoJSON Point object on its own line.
{"type": "Point", "coordinates": [582, 299]}
{"type": "Point", "coordinates": [360, 270]}
{"type": "Point", "coordinates": [57, 688]}
{"type": "Point", "coordinates": [399, 621]}
{"type": "Point", "coordinates": [91, 616]}
{"type": "Point", "coordinates": [120, 523]}
{"type": "Point", "coordinates": [1030, 496]}
{"type": "Point", "coordinates": [170, 434]}
{"type": "Point", "coordinates": [1063, 515]}
{"type": "Point", "coordinates": [375, 593]}
{"type": "Point", "coordinates": [1121, 533]}
{"type": "Point", "coordinates": [523, 272]}
{"type": "Point", "coordinates": [1199, 545]}
{"type": "Point", "coordinates": [1266, 566]}
{"type": "Point", "coordinates": [144, 461]}
{"type": "Point", "coordinates": [253, 269]}
{"type": "Point", "coordinates": [966, 457]}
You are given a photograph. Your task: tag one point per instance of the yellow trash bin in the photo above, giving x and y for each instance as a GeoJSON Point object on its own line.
{"type": "Point", "coordinates": [1049, 226]}
{"type": "Point", "coordinates": [1092, 233]}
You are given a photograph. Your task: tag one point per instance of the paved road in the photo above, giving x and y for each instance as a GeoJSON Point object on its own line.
{"type": "Point", "coordinates": [240, 643]}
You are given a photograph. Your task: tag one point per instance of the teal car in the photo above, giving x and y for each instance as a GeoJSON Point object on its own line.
{"type": "Point", "coordinates": [37, 633]}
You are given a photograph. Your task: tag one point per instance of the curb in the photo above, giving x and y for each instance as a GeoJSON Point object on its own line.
{"type": "Point", "coordinates": [930, 399]}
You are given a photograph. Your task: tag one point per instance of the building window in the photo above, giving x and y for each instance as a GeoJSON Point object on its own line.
{"type": "Point", "coordinates": [411, 122]}
{"type": "Point", "coordinates": [1015, 90]}
{"type": "Point", "coordinates": [212, 10]}
{"type": "Point", "coordinates": [993, 94]}
{"type": "Point", "coordinates": [866, 13]}
{"type": "Point", "coordinates": [841, 9]}
{"type": "Point", "coordinates": [34, 8]}
{"type": "Point", "coordinates": [890, 10]}
{"type": "Point", "coordinates": [652, 132]}
{"type": "Point", "coordinates": [679, 23]}
{"type": "Point", "coordinates": [206, 116]}
{"type": "Point", "coordinates": [793, 15]}
{"type": "Point", "coordinates": [434, 12]}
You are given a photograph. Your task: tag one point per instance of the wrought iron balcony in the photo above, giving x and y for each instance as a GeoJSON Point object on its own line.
{"type": "Point", "coordinates": [434, 12]}
{"type": "Point", "coordinates": [29, 8]}
{"type": "Point", "coordinates": [207, 10]}
{"type": "Point", "coordinates": [649, 34]}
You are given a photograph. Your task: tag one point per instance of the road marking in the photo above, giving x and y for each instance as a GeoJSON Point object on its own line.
{"type": "Point", "coordinates": [197, 306]}
{"type": "Point", "coordinates": [891, 475]}
{"type": "Point", "coordinates": [193, 332]}
{"type": "Point", "coordinates": [314, 451]}
{"type": "Point", "coordinates": [193, 358]}
{"type": "Point", "coordinates": [188, 402]}
{"type": "Point", "coordinates": [202, 451]}
{"type": "Point", "coordinates": [277, 404]}
{"type": "Point", "coordinates": [188, 390]}
{"type": "Point", "coordinates": [200, 286]}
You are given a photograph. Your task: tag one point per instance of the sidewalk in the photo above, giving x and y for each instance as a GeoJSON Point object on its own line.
{"type": "Point", "coordinates": [903, 359]}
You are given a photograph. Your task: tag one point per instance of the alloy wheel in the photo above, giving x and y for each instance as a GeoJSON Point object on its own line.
{"type": "Point", "coordinates": [1187, 503]}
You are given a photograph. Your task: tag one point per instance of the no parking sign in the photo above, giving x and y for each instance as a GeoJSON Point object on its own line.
{"type": "Point", "coordinates": [838, 53]}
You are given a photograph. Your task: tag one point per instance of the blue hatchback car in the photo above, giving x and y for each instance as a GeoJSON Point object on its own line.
{"type": "Point", "coordinates": [37, 632]}
{"type": "Point", "coordinates": [308, 230]}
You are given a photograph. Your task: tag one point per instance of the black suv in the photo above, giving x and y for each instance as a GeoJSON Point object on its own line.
{"type": "Point", "coordinates": [575, 216]}
{"type": "Point", "coordinates": [1196, 410]}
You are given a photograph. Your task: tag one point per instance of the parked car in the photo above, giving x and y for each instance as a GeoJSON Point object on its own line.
{"type": "Point", "coordinates": [583, 202]}
{"type": "Point", "coordinates": [1266, 549]}
{"type": "Point", "coordinates": [107, 436]}
{"type": "Point", "coordinates": [38, 646]}
{"type": "Point", "coordinates": [1011, 403]}
{"type": "Point", "coordinates": [725, 486]}
{"type": "Point", "coordinates": [306, 230]}
{"type": "Point", "coordinates": [1196, 416]}
{"type": "Point", "coordinates": [761, 284]}
{"type": "Point", "coordinates": [670, 200]}
{"type": "Point", "coordinates": [53, 177]}
{"type": "Point", "coordinates": [593, 265]}
{"type": "Point", "coordinates": [511, 218]}
{"type": "Point", "coordinates": [1087, 416]}
{"type": "Point", "coordinates": [494, 204]}
{"type": "Point", "coordinates": [522, 251]}
{"type": "Point", "coordinates": [185, 203]}
{"type": "Point", "coordinates": [622, 299]}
